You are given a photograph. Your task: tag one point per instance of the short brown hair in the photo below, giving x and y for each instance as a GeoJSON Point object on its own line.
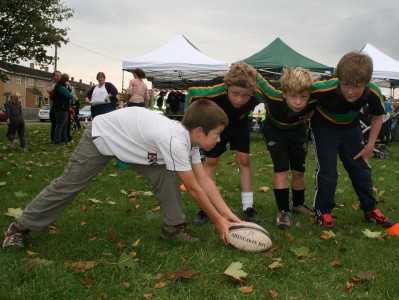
{"type": "Point", "coordinates": [206, 114]}
{"type": "Point", "coordinates": [64, 77]}
{"type": "Point", "coordinates": [100, 74]}
{"type": "Point", "coordinates": [242, 75]}
{"type": "Point", "coordinates": [355, 67]}
{"type": "Point", "coordinates": [139, 73]}
{"type": "Point", "coordinates": [296, 80]}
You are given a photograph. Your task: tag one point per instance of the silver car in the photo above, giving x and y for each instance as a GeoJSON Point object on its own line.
{"type": "Point", "coordinates": [44, 113]}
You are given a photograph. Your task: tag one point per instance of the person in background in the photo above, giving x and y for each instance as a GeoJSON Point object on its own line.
{"type": "Point", "coordinates": [15, 121]}
{"type": "Point", "coordinates": [61, 104]}
{"type": "Point", "coordinates": [50, 89]}
{"type": "Point", "coordinates": [288, 109]}
{"type": "Point", "coordinates": [160, 101]}
{"type": "Point", "coordinates": [102, 97]}
{"type": "Point", "coordinates": [76, 107]}
{"type": "Point", "coordinates": [138, 91]}
{"type": "Point", "coordinates": [234, 93]}
{"type": "Point", "coordinates": [175, 105]}
{"type": "Point", "coordinates": [336, 132]}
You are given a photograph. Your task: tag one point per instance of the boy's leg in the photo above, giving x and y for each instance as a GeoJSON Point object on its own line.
{"type": "Point", "coordinates": [21, 133]}
{"type": "Point", "coordinates": [167, 190]}
{"type": "Point", "coordinates": [85, 163]}
{"type": "Point", "coordinates": [359, 172]}
{"type": "Point", "coordinates": [326, 143]}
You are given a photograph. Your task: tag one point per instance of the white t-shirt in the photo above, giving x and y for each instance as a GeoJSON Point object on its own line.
{"type": "Point", "coordinates": [141, 136]}
{"type": "Point", "coordinates": [99, 94]}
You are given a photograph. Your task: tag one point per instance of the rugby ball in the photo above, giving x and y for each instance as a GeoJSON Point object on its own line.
{"type": "Point", "coordinates": [249, 237]}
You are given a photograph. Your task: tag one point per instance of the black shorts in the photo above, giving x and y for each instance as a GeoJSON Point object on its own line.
{"type": "Point", "coordinates": [288, 148]}
{"type": "Point", "coordinates": [238, 137]}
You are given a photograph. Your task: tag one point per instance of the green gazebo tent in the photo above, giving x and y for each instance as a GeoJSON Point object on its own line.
{"type": "Point", "coordinates": [273, 58]}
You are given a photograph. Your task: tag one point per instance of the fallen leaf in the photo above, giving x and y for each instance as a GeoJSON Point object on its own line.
{"type": "Point", "coordinates": [372, 234]}
{"type": "Point", "coordinates": [94, 200]}
{"type": "Point", "coordinates": [135, 244]}
{"type": "Point", "coordinates": [328, 234]}
{"type": "Point", "coordinates": [301, 251]}
{"type": "Point", "coordinates": [160, 285]}
{"type": "Point", "coordinates": [234, 271]}
{"type": "Point", "coordinates": [39, 262]}
{"type": "Point", "coordinates": [3, 183]}
{"type": "Point", "coordinates": [123, 192]}
{"type": "Point", "coordinates": [147, 296]}
{"type": "Point", "coordinates": [113, 175]}
{"type": "Point", "coordinates": [81, 266]}
{"type": "Point", "coordinates": [148, 193]}
{"type": "Point", "coordinates": [366, 275]}
{"type": "Point", "coordinates": [126, 261]}
{"type": "Point", "coordinates": [246, 289]}
{"type": "Point", "coordinates": [349, 286]}
{"type": "Point", "coordinates": [20, 194]}
{"type": "Point", "coordinates": [272, 294]}
{"type": "Point", "coordinates": [264, 189]}
{"type": "Point", "coordinates": [121, 245]}
{"type": "Point", "coordinates": [183, 273]}
{"type": "Point", "coordinates": [275, 265]}
{"type": "Point", "coordinates": [126, 285]}
{"type": "Point", "coordinates": [337, 263]}
{"type": "Point", "coordinates": [30, 253]}
{"type": "Point", "coordinates": [289, 237]}
{"type": "Point", "coordinates": [156, 208]}
{"type": "Point", "coordinates": [14, 212]}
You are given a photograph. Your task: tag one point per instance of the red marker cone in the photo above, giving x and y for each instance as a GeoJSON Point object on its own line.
{"type": "Point", "coordinates": [394, 229]}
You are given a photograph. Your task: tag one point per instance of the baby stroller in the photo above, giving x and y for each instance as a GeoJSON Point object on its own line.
{"type": "Point", "coordinates": [380, 148]}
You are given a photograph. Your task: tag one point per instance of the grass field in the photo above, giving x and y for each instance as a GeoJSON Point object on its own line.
{"type": "Point", "coordinates": [106, 244]}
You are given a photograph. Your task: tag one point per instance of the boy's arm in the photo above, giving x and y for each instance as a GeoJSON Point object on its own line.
{"type": "Point", "coordinates": [367, 152]}
{"type": "Point", "coordinates": [189, 180]}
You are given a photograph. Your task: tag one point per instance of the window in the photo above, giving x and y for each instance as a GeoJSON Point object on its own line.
{"type": "Point", "coordinates": [31, 82]}
{"type": "Point", "coordinates": [41, 83]}
{"type": "Point", "coordinates": [7, 97]}
{"type": "Point", "coordinates": [18, 80]}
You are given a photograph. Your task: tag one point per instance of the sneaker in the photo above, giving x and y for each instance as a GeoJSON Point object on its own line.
{"type": "Point", "coordinates": [377, 217]}
{"type": "Point", "coordinates": [178, 232]}
{"type": "Point", "coordinates": [14, 237]}
{"type": "Point", "coordinates": [283, 220]}
{"type": "Point", "coordinates": [326, 220]}
{"type": "Point", "coordinates": [303, 209]}
{"type": "Point", "coordinates": [13, 144]}
{"type": "Point", "coordinates": [251, 215]}
{"type": "Point", "coordinates": [201, 218]}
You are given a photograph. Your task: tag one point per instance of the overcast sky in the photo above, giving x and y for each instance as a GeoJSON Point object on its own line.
{"type": "Point", "coordinates": [103, 33]}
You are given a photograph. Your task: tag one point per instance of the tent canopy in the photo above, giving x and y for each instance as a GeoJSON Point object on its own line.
{"type": "Point", "coordinates": [175, 64]}
{"type": "Point", "coordinates": [385, 68]}
{"type": "Point", "coordinates": [273, 58]}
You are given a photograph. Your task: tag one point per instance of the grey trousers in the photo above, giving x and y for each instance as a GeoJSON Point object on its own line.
{"type": "Point", "coordinates": [84, 165]}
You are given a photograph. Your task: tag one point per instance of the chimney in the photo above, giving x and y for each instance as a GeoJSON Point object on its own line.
{"type": "Point", "coordinates": [72, 79]}
{"type": "Point", "coordinates": [32, 65]}
{"type": "Point", "coordinates": [80, 80]}
{"type": "Point", "coordinates": [46, 69]}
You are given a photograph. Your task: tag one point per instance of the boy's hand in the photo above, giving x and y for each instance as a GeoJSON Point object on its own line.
{"type": "Point", "coordinates": [223, 226]}
{"type": "Point", "coordinates": [366, 154]}
{"type": "Point", "coordinates": [231, 217]}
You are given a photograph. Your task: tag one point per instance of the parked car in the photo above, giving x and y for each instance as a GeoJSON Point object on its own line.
{"type": "Point", "coordinates": [84, 113]}
{"type": "Point", "coordinates": [3, 116]}
{"type": "Point", "coordinates": [44, 113]}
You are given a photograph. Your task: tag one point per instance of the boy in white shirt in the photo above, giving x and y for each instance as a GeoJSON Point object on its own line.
{"type": "Point", "coordinates": [160, 149]}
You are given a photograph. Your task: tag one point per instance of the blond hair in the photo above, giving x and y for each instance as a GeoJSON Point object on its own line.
{"type": "Point", "coordinates": [242, 75]}
{"type": "Point", "coordinates": [296, 80]}
{"type": "Point", "coordinates": [206, 114]}
{"type": "Point", "coordinates": [15, 97]}
{"type": "Point", "coordinates": [355, 67]}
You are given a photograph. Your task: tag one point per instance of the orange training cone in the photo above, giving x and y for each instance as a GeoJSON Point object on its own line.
{"type": "Point", "coordinates": [394, 229]}
{"type": "Point", "coordinates": [182, 187]}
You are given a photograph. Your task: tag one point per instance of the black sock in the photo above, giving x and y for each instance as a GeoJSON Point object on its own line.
{"type": "Point", "coordinates": [298, 197]}
{"type": "Point", "coordinates": [282, 199]}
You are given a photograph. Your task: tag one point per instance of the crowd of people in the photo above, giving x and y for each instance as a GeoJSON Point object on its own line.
{"type": "Point", "coordinates": [167, 152]}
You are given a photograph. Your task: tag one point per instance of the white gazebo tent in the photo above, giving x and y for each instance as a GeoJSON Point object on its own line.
{"type": "Point", "coordinates": [386, 69]}
{"type": "Point", "coordinates": [175, 64]}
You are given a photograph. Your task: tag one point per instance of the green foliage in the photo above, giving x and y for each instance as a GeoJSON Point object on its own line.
{"type": "Point", "coordinates": [28, 27]}
{"type": "Point", "coordinates": [79, 256]}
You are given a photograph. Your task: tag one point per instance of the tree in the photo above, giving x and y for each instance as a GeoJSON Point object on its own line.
{"type": "Point", "coordinates": [28, 27]}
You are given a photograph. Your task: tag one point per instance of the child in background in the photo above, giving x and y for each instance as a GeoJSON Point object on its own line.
{"type": "Point", "coordinates": [15, 121]}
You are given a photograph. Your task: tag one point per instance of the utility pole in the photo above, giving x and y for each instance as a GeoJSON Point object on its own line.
{"type": "Point", "coordinates": [55, 59]}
